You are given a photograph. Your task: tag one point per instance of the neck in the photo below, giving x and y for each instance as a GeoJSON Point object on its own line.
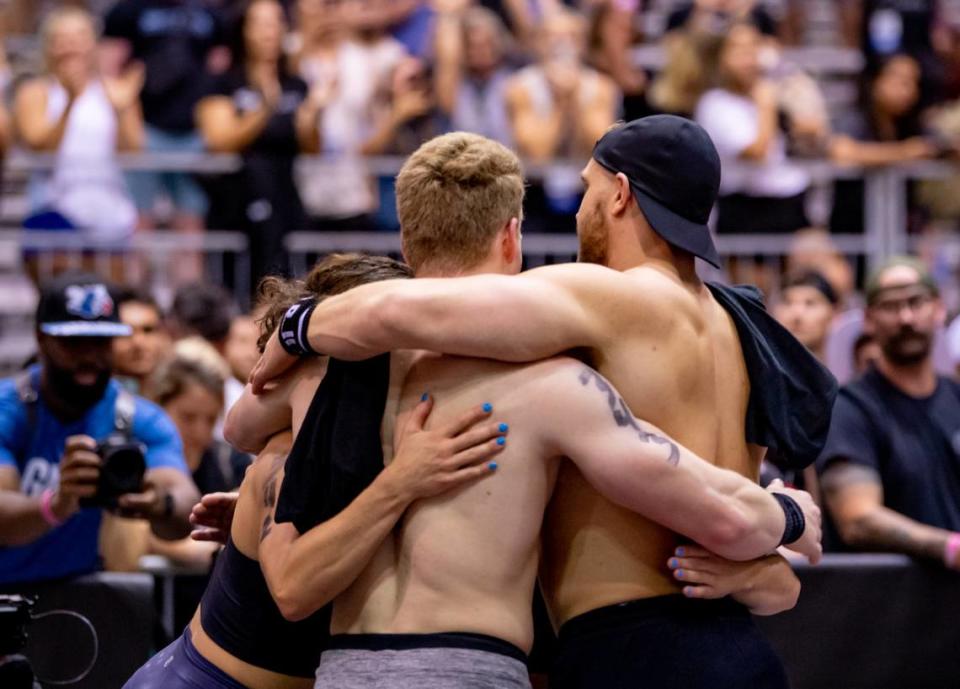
{"type": "Point", "coordinates": [56, 401]}
{"type": "Point", "coordinates": [916, 380]}
{"type": "Point", "coordinates": [642, 247]}
{"type": "Point", "coordinates": [487, 267]}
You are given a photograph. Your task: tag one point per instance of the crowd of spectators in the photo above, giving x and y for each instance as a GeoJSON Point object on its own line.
{"type": "Point", "coordinates": [270, 80]}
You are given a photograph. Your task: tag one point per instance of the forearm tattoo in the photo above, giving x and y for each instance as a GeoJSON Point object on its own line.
{"type": "Point", "coordinates": [623, 417]}
{"type": "Point", "coordinates": [270, 489]}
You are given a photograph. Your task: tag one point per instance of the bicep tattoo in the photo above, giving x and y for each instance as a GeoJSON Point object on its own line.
{"type": "Point", "coordinates": [624, 418]}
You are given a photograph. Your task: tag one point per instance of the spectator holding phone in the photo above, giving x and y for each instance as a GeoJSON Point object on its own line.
{"type": "Point", "coordinates": [55, 471]}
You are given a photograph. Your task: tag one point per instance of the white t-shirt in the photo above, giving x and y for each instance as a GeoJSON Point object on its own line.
{"type": "Point", "coordinates": [731, 121]}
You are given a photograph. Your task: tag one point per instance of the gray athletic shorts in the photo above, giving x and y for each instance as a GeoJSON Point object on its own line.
{"type": "Point", "coordinates": [421, 661]}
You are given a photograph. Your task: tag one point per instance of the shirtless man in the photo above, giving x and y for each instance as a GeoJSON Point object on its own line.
{"type": "Point", "coordinates": [661, 336]}
{"type": "Point", "coordinates": [466, 563]}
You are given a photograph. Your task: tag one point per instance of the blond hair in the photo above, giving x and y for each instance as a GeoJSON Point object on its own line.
{"type": "Point", "coordinates": [453, 195]}
{"type": "Point", "coordinates": [60, 14]}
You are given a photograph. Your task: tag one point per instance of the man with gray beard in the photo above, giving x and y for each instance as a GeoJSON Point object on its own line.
{"type": "Point", "coordinates": [890, 470]}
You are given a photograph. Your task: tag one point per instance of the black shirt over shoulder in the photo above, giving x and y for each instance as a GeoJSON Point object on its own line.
{"type": "Point", "coordinates": [912, 443]}
{"type": "Point", "coordinates": [172, 39]}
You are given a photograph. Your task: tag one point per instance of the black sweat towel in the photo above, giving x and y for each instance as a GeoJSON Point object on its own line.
{"type": "Point", "coordinates": [337, 452]}
{"type": "Point", "coordinates": [791, 393]}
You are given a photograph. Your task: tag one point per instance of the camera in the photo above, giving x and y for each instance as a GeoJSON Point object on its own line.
{"type": "Point", "coordinates": [122, 469]}
{"type": "Point", "coordinates": [15, 670]}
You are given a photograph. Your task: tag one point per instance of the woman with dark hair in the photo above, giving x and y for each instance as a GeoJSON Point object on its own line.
{"type": "Point", "coordinates": [238, 637]}
{"type": "Point", "coordinates": [262, 111]}
{"type": "Point", "coordinates": [886, 129]}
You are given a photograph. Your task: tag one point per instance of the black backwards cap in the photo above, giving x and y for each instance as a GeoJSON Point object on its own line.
{"type": "Point", "coordinates": [79, 305]}
{"type": "Point", "coordinates": [674, 171]}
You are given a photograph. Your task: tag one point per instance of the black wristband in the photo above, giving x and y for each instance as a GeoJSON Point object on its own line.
{"type": "Point", "coordinates": [293, 328]}
{"type": "Point", "coordinates": [796, 522]}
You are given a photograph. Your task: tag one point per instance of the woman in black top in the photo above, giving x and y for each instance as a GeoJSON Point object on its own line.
{"type": "Point", "coordinates": [260, 110]}
{"type": "Point", "coordinates": [238, 637]}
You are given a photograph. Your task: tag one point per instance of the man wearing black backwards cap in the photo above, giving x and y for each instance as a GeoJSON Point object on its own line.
{"type": "Point", "coordinates": [52, 417]}
{"type": "Point", "coordinates": [891, 469]}
{"type": "Point", "coordinates": [684, 355]}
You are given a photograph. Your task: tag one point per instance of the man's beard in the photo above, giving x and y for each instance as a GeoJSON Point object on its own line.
{"type": "Point", "coordinates": [594, 239]}
{"type": "Point", "coordinates": [73, 394]}
{"type": "Point", "coordinates": [907, 347]}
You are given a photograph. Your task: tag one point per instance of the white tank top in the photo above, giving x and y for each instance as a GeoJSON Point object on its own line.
{"type": "Point", "coordinates": [86, 184]}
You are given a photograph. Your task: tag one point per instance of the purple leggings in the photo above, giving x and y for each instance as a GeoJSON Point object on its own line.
{"type": "Point", "coordinates": [180, 666]}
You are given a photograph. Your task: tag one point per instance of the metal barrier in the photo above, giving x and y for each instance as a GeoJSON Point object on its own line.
{"type": "Point", "coordinates": [147, 257]}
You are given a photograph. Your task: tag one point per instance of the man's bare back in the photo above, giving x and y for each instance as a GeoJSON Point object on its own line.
{"type": "Point", "coordinates": [694, 385]}
{"type": "Point", "coordinates": [466, 560]}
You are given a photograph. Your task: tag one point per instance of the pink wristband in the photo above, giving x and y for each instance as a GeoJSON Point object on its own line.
{"type": "Point", "coordinates": [46, 510]}
{"type": "Point", "coordinates": [951, 549]}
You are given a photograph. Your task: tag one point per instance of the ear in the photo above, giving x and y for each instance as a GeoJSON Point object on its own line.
{"type": "Point", "coordinates": [510, 243]}
{"type": "Point", "coordinates": [623, 196]}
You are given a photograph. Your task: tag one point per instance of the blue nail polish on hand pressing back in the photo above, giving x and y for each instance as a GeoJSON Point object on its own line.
{"type": "Point", "coordinates": [504, 427]}
{"type": "Point", "coordinates": [501, 440]}
{"type": "Point", "coordinates": [487, 407]}
{"type": "Point", "coordinates": [680, 551]}
{"type": "Point", "coordinates": [673, 563]}
{"type": "Point", "coordinates": [679, 573]}
{"type": "Point", "coordinates": [492, 466]}
{"type": "Point", "coordinates": [424, 397]}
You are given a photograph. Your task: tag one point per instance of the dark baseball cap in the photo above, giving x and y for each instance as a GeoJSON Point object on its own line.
{"type": "Point", "coordinates": [674, 171]}
{"type": "Point", "coordinates": [79, 305]}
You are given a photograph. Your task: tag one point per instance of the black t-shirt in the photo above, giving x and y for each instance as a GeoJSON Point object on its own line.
{"type": "Point", "coordinates": [279, 136]}
{"type": "Point", "coordinates": [914, 444]}
{"type": "Point", "coordinates": [172, 39]}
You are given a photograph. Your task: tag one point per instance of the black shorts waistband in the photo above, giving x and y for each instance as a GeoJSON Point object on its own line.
{"type": "Point", "coordinates": [674, 606]}
{"type": "Point", "coordinates": [406, 642]}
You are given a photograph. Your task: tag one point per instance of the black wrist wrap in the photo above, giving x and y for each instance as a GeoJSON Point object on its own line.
{"type": "Point", "coordinates": [293, 327]}
{"type": "Point", "coordinates": [796, 522]}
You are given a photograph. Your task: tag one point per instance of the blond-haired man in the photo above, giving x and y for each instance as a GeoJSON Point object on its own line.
{"type": "Point", "coordinates": [682, 359]}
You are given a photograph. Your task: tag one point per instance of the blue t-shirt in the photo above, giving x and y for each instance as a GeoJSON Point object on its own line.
{"type": "Point", "coordinates": [70, 549]}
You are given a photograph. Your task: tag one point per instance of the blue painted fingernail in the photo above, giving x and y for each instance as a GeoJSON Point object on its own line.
{"type": "Point", "coordinates": [492, 466]}
{"type": "Point", "coordinates": [673, 563]}
{"type": "Point", "coordinates": [501, 440]}
{"type": "Point", "coordinates": [679, 574]}
{"type": "Point", "coordinates": [688, 591]}
{"type": "Point", "coordinates": [680, 551]}
{"type": "Point", "coordinates": [504, 427]}
{"type": "Point", "coordinates": [424, 397]}
{"type": "Point", "coordinates": [487, 407]}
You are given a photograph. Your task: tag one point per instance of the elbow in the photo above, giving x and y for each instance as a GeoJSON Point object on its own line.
{"type": "Point", "coordinates": [294, 605]}
{"type": "Point", "coordinates": [291, 606]}
{"type": "Point", "coordinates": [240, 437]}
{"type": "Point", "coordinates": [730, 534]}
{"type": "Point", "coordinates": [854, 532]}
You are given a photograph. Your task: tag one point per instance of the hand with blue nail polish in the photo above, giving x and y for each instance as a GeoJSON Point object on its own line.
{"type": "Point", "coordinates": [428, 463]}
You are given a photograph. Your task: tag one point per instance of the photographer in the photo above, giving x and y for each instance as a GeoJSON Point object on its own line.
{"type": "Point", "coordinates": [54, 465]}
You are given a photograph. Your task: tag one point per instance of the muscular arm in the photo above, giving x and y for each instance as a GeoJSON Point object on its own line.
{"type": "Point", "coordinates": [306, 572]}
{"type": "Point", "coordinates": [546, 311]}
{"type": "Point", "coordinates": [637, 466]}
{"type": "Point", "coordinates": [854, 496]}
